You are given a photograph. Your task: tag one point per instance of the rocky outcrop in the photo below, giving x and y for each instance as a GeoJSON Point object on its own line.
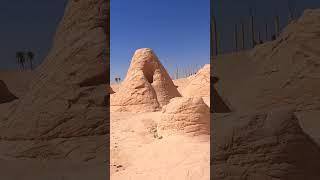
{"type": "Point", "coordinates": [147, 86]}
{"type": "Point", "coordinates": [185, 115]}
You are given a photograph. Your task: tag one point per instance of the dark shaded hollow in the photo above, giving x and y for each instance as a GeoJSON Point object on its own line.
{"type": "Point", "coordinates": [5, 94]}
{"type": "Point", "coordinates": [214, 79]}
{"type": "Point", "coordinates": [148, 71]}
{"type": "Point", "coordinates": [218, 105]}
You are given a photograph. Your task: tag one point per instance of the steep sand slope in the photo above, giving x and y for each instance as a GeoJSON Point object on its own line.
{"type": "Point", "coordinates": [273, 129]}
{"type": "Point", "coordinates": [59, 125]}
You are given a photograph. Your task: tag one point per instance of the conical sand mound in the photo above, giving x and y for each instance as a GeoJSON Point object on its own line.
{"type": "Point", "coordinates": [67, 94]}
{"type": "Point", "coordinates": [147, 86]}
{"type": "Point", "coordinates": [185, 115]}
{"type": "Point", "coordinates": [199, 84]}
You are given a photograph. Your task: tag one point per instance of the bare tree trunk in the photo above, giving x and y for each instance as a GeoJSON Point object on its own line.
{"type": "Point", "coordinates": [214, 37]}
{"type": "Point", "coordinates": [31, 66]}
{"type": "Point", "coordinates": [291, 13]}
{"type": "Point", "coordinates": [266, 32]}
{"type": "Point", "coordinates": [242, 33]}
{"type": "Point", "coordinates": [236, 37]}
{"type": "Point", "coordinates": [177, 73]}
{"type": "Point", "coordinates": [252, 27]}
{"type": "Point", "coordinates": [277, 24]}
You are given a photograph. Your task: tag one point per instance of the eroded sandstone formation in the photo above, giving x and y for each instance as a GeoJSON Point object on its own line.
{"type": "Point", "coordinates": [64, 115]}
{"type": "Point", "coordinates": [147, 86]}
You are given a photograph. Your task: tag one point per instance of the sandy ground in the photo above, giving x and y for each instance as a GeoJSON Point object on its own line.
{"type": "Point", "coordinates": [51, 170]}
{"type": "Point", "coordinates": [115, 86]}
{"type": "Point", "coordinates": [17, 81]}
{"type": "Point", "coordinates": [137, 152]}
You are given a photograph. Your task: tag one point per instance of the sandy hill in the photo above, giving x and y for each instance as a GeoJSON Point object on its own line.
{"type": "Point", "coordinates": [147, 86]}
{"type": "Point", "coordinates": [273, 92]}
{"type": "Point", "coordinates": [61, 117]}
{"type": "Point", "coordinates": [199, 84]}
{"type": "Point", "coordinates": [141, 141]}
{"type": "Point", "coordinates": [276, 73]}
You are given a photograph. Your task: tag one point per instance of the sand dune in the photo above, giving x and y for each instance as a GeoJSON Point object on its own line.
{"type": "Point", "coordinates": [171, 141]}
{"type": "Point", "coordinates": [273, 91]}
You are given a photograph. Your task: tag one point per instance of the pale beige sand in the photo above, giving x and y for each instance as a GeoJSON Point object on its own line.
{"type": "Point", "coordinates": [172, 143]}
{"type": "Point", "coordinates": [138, 153]}
{"type": "Point", "coordinates": [115, 86]}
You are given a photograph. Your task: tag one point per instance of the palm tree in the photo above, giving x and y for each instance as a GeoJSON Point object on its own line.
{"type": "Point", "coordinates": [20, 55]}
{"type": "Point", "coordinates": [30, 56]}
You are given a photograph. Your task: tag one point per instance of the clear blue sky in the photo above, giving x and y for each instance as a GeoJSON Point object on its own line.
{"type": "Point", "coordinates": [177, 30]}
{"type": "Point", "coordinates": [229, 12]}
{"type": "Point", "coordinates": [27, 25]}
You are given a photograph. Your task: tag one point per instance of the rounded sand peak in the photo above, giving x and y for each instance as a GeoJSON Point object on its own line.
{"type": "Point", "coordinates": [199, 84]}
{"type": "Point", "coordinates": [185, 115]}
{"type": "Point", "coordinates": [143, 50]}
{"type": "Point", "coordinates": [147, 86]}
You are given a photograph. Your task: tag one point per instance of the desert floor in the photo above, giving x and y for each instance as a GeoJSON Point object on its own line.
{"type": "Point", "coordinates": [138, 153]}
